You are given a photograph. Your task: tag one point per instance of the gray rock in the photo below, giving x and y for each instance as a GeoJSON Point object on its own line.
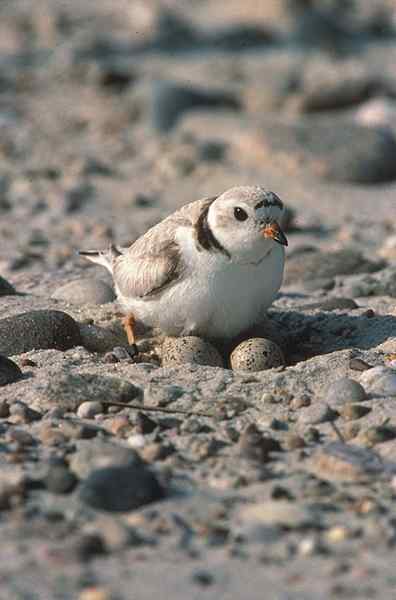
{"type": "Point", "coordinates": [69, 390]}
{"type": "Point", "coordinates": [6, 289]}
{"type": "Point", "coordinates": [85, 291]}
{"type": "Point", "coordinates": [121, 488]}
{"type": "Point", "coordinates": [189, 349]}
{"type": "Point", "coordinates": [310, 263]}
{"type": "Point", "coordinates": [256, 354]}
{"type": "Point", "coordinates": [99, 339]}
{"type": "Point", "coordinates": [9, 371]}
{"type": "Point", "coordinates": [38, 329]}
{"type": "Point", "coordinates": [335, 149]}
{"type": "Point", "coordinates": [344, 391]}
{"type": "Point", "coordinates": [92, 455]}
{"type": "Point", "coordinates": [382, 283]}
{"type": "Point", "coordinates": [384, 384]}
{"type": "Point", "coordinates": [345, 462]}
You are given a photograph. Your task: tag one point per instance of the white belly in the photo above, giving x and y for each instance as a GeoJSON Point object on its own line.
{"type": "Point", "coordinates": [219, 299]}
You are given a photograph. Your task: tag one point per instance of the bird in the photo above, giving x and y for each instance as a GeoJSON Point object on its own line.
{"type": "Point", "coordinates": [210, 269]}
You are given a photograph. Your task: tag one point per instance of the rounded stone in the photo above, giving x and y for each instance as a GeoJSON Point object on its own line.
{"type": "Point", "coordinates": [121, 488]}
{"type": "Point", "coordinates": [38, 330]}
{"type": "Point", "coordinates": [89, 410]}
{"type": "Point", "coordinates": [256, 354]}
{"type": "Point", "coordinates": [345, 391]}
{"type": "Point", "coordinates": [189, 349]}
{"type": "Point", "coordinates": [9, 371]}
{"type": "Point", "coordinates": [315, 414]}
{"type": "Point", "coordinates": [85, 291]}
{"type": "Point", "coordinates": [381, 381]}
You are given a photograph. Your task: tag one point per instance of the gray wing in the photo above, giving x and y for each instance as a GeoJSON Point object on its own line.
{"type": "Point", "coordinates": [154, 261]}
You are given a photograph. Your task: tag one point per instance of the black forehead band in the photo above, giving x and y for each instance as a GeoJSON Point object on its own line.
{"type": "Point", "coordinates": [272, 200]}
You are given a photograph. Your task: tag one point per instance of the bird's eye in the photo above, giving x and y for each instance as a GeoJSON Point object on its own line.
{"type": "Point", "coordinates": [240, 214]}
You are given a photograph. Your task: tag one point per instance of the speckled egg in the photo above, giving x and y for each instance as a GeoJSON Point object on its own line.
{"type": "Point", "coordinates": [256, 354]}
{"type": "Point", "coordinates": [189, 349]}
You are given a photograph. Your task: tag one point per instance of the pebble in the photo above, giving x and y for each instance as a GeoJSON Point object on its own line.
{"type": "Point", "coordinates": [345, 462]}
{"type": "Point", "coordinates": [121, 488]}
{"type": "Point", "coordinates": [38, 329]}
{"type": "Point", "coordinates": [9, 371]}
{"type": "Point", "coordinates": [277, 512]}
{"type": "Point", "coordinates": [293, 442]}
{"type": "Point", "coordinates": [189, 349]}
{"type": "Point", "coordinates": [170, 100]}
{"type": "Point", "coordinates": [343, 391]}
{"type": "Point", "coordinates": [315, 414]}
{"type": "Point", "coordinates": [145, 424]}
{"type": "Point", "coordinates": [91, 455]}
{"type": "Point", "coordinates": [70, 390]}
{"type": "Point", "coordinates": [377, 435]}
{"type": "Point", "coordinates": [85, 291]}
{"type": "Point", "coordinates": [4, 409]}
{"type": "Point", "coordinates": [357, 364]}
{"type": "Point", "coordinates": [89, 410]}
{"type": "Point", "coordinates": [256, 354]}
{"type": "Point", "coordinates": [22, 413]}
{"type": "Point", "coordinates": [60, 480]}
{"type": "Point", "coordinates": [12, 486]}
{"type": "Point", "coordinates": [6, 289]}
{"type": "Point", "coordinates": [99, 339]}
{"type": "Point", "coordinates": [254, 445]}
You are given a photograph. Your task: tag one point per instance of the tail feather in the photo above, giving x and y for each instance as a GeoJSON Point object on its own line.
{"type": "Point", "coordinates": [104, 258]}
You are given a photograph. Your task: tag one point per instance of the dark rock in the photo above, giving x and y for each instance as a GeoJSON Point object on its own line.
{"type": "Point", "coordinates": [39, 329]}
{"type": "Point", "coordinates": [6, 289]}
{"type": "Point", "coordinates": [144, 424]}
{"type": "Point", "coordinates": [170, 100]}
{"type": "Point", "coordinates": [357, 364]}
{"type": "Point", "coordinates": [121, 488]}
{"type": "Point", "coordinates": [69, 390]}
{"type": "Point", "coordinates": [311, 263]}
{"type": "Point", "coordinates": [60, 480]}
{"type": "Point", "coordinates": [24, 413]}
{"type": "Point", "coordinates": [336, 150]}
{"type": "Point", "coordinates": [76, 198]}
{"type": "Point", "coordinates": [85, 291]}
{"type": "Point", "coordinates": [9, 371]}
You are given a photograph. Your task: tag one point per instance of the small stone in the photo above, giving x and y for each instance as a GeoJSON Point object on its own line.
{"type": "Point", "coordinates": [6, 289]}
{"type": "Point", "coordinates": [268, 398]}
{"type": "Point", "coordinates": [315, 414]}
{"type": "Point", "coordinates": [337, 534]}
{"type": "Point", "coordinates": [99, 339]}
{"type": "Point", "coordinates": [300, 402]}
{"type": "Point", "coordinates": [38, 330]}
{"type": "Point", "coordinates": [254, 445]}
{"type": "Point", "coordinates": [85, 291]}
{"type": "Point", "coordinates": [377, 435]}
{"type": "Point", "coordinates": [293, 442]}
{"type": "Point", "coordinates": [60, 480]}
{"type": "Point", "coordinates": [202, 577]}
{"type": "Point", "coordinates": [22, 413]}
{"type": "Point", "coordinates": [311, 435]}
{"type": "Point", "coordinates": [384, 384]}
{"type": "Point", "coordinates": [189, 349]}
{"type": "Point", "coordinates": [9, 371]}
{"type": "Point", "coordinates": [156, 451]}
{"type": "Point", "coordinates": [70, 390]}
{"type": "Point", "coordinates": [256, 354]}
{"type": "Point", "coordinates": [12, 486]}
{"type": "Point", "coordinates": [136, 441]}
{"type": "Point", "coordinates": [344, 391]}
{"type": "Point", "coordinates": [89, 410]}
{"type": "Point", "coordinates": [277, 512]}
{"type": "Point", "coordinates": [21, 436]}
{"type": "Point", "coordinates": [354, 411]}
{"type": "Point", "coordinates": [345, 462]}
{"type": "Point", "coordinates": [121, 488]}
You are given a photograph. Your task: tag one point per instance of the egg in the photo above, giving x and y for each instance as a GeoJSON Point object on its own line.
{"type": "Point", "coordinates": [190, 349]}
{"type": "Point", "coordinates": [256, 354]}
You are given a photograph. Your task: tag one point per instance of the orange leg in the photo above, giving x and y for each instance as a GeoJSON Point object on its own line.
{"type": "Point", "coordinates": [129, 324]}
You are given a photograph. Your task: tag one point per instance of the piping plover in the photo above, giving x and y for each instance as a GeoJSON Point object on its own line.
{"type": "Point", "coordinates": [210, 269]}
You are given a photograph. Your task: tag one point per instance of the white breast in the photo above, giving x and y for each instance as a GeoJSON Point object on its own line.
{"type": "Point", "coordinates": [217, 299]}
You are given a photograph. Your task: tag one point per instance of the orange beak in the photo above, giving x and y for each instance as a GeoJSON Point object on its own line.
{"type": "Point", "coordinates": [273, 231]}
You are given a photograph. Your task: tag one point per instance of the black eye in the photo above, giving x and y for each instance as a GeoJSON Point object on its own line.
{"type": "Point", "coordinates": [240, 214]}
